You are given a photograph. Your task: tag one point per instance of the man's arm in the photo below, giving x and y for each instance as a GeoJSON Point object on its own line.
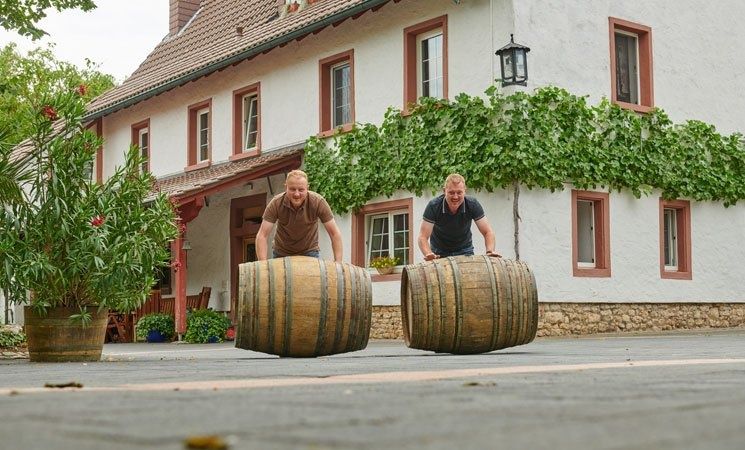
{"type": "Point", "coordinates": [425, 231]}
{"type": "Point", "coordinates": [335, 236]}
{"type": "Point", "coordinates": [488, 234]}
{"type": "Point", "coordinates": [262, 239]}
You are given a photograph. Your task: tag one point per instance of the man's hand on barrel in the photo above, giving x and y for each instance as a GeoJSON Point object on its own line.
{"type": "Point", "coordinates": [493, 253]}
{"type": "Point", "coordinates": [430, 256]}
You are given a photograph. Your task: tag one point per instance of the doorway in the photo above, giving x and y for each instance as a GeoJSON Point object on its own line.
{"type": "Point", "coordinates": [245, 220]}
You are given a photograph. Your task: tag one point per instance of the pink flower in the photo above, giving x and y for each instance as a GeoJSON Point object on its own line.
{"type": "Point", "coordinates": [82, 90]}
{"type": "Point", "coordinates": [98, 221]}
{"type": "Point", "coordinates": [176, 265]}
{"type": "Point", "coordinates": [49, 112]}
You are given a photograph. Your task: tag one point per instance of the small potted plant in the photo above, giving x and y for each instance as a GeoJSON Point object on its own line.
{"type": "Point", "coordinates": [384, 264]}
{"type": "Point", "coordinates": [155, 328]}
{"type": "Point", "coordinates": [205, 326]}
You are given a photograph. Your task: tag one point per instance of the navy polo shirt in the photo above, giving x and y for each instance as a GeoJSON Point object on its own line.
{"type": "Point", "coordinates": [452, 232]}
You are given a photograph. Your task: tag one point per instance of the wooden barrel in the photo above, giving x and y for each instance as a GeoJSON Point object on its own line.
{"type": "Point", "coordinates": [301, 306]}
{"type": "Point", "coordinates": [468, 304]}
{"type": "Point", "coordinates": [53, 337]}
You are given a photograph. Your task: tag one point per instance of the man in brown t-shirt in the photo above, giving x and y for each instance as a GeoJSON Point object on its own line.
{"type": "Point", "coordinates": [296, 213]}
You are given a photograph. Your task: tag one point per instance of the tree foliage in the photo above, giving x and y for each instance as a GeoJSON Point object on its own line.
{"type": "Point", "coordinates": [23, 16]}
{"type": "Point", "coordinates": [26, 81]}
{"type": "Point", "coordinates": [73, 242]}
{"type": "Point", "coordinates": [540, 140]}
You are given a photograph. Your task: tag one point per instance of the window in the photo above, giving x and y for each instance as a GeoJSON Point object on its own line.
{"type": "Point", "coordinates": [631, 65]}
{"type": "Point", "coordinates": [246, 121]}
{"type": "Point", "coordinates": [429, 75]}
{"type": "Point", "coordinates": [675, 239]}
{"type": "Point", "coordinates": [141, 138]}
{"type": "Point", "coordinates": [96, 169]}
{"type": "Point", "coordinates": [388, 235]}
{"type": "Point", "coordinates": [590, 234]}
{"type": "Point", "coordinates": [164, 276]}
{"type": "Point", "coordinates": [200, 151]}
{"type": "Point", "coordinates": [381, 229]}
{"type": "Point", "coordinates": [341, 85]}
{"type": "Point", "coordinates": [336, 92]}
{"type": "Point", "coordinates": [425, 60]}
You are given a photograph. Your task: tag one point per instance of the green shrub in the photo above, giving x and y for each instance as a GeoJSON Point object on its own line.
{"type": "Point", "coordinates": [9, 339]}
{"type": "Point", "coordinates": [205, 325]}
{"type": "Point", "coordinates": [155, 322]}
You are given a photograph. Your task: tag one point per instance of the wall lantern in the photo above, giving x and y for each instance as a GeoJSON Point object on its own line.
{"type": "Point", "coordinates": [186, 246]}
{"type": "Point", "coordinates": [514, 61]}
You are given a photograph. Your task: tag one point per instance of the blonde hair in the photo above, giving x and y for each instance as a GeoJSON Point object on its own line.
{"type": "Point", "coordinates": [296, 173]}
{"type": "Point", "coordinates": [454, 178]}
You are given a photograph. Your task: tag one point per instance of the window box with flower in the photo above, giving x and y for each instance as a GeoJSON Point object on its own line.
{"type": "Point", "coordinates": [384, 264]}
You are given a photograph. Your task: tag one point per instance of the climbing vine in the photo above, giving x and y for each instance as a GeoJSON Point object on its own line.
{"type": "Point", "coordinates": [539, 140]}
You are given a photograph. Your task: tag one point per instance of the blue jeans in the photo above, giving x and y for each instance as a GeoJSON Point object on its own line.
{"type": "Point", "coordinates": [312, 253]}
{"type": "Point", "coordinates": [466, 251]}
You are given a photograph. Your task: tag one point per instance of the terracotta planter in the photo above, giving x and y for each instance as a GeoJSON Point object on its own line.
{"type": "Point", "coordinates": [55, 338]}
{"type": "Point", "coordinates": [385, 270]}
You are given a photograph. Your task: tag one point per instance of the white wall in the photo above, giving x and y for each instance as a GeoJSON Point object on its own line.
{"type": "Point", "coordinates": [696, 44]}
{"type": "Point", "coordinates": [696, 69]}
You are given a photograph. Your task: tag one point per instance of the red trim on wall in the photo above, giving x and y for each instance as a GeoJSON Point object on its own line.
{"type": "Point", "coordinates": [646, 76]}
{"type": "Point", "coordinates": [324, 89]}
{"type": "Point", "coordinates": [601, 202]}
{"type": "Point", "coordinates": [192, 135]}
{"type": "Point", "coordinates": [410, 60]}
{"type": "Point", "coordinates": [685, 266]}
{"type": "Point", "coordinates": [238, 94]}
{"type": "Point", "coordinates": [358, 231]}
{"type": "Point", "coordinates": [136, 138]}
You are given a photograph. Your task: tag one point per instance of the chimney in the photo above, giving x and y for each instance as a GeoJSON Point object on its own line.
{"type": "Point", "coordinates": [181, 11]}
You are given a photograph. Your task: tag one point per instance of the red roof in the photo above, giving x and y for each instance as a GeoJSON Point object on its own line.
{"type": "Point", "coordinates": [211, 42]}
{"type": "Point", "coordinates": [222, 176]}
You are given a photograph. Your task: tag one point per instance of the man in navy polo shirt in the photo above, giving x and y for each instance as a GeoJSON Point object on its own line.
{"type": "Point", "coordinates": [446, 228]}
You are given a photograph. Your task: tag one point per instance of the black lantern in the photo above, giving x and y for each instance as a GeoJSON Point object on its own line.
{"type": "Point", "coordinates": [514, 61]}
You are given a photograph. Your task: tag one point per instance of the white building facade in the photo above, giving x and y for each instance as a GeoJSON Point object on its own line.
{"type": "Point", "coordinates": [221, 132]}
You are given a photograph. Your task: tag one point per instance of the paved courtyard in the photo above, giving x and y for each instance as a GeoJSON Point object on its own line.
{"type": "Point", "coordinates": [666, 391]}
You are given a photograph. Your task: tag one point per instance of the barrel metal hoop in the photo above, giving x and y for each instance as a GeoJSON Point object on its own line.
{"type": "Point", "coordinates": [352, 335]}
{"type": "Point", "coordinates": [430, 315]}
{"type": "Point", "coordinates": [339, 306]}
{"type": "Point", "coordinates": [494, 302]}
{"type": "Point", "coordinates": [255, 313]}
{"type": "Point", "coordinates": [320, 341]}
{"type": "Point", "coordinates": [443, 306]}
{"type": "Point", "coordinates": [458, 304]}
{"type": "Point", "coordinates": [288, 307]}
{"type": "Point", "coordinates": [270, 276]}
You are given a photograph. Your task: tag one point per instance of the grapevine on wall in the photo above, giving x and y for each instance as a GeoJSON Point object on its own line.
{"type": "Point", "coordinates": [539, 140]}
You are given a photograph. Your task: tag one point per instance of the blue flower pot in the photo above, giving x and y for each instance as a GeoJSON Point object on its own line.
{"type": "Point", "coordinates": [212, 339]}
{"type": "Point", "coordinates": [155, 336]}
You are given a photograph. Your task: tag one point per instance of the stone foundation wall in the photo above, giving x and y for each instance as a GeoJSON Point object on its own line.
{"type": "Point", "coordinates": [560, 319]}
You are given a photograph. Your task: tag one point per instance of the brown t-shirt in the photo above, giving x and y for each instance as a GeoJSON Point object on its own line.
{"type": "Point", "coordinates": [297, 229]}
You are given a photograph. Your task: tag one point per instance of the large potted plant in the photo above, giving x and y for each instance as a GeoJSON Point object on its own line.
{"type": "Point", "coordinates": [156, 327]}
{"type": "Point", "coordinates": [71, 247]}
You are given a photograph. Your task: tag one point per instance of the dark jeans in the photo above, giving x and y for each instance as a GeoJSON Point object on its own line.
{"type": "Point", "coordinates": [313, 253]}
{"type": "Point", "coordinates": [467, 251]}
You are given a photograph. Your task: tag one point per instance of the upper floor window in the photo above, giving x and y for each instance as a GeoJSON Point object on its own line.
{"type": "Point", "coordinates": [337, 91]}
{"type": "Point", "coordinates": [383, 229]}
{"type": "Point", "coordinates": [96, 167]}
{"type": "Point", "coordinates": [429, 76]}
{"type": "Point", "coordinates": [590, 234]}
{"type": "Point", "coordinates": [200, 151]}
{"type": "Point", "coordinates": [425, 60]}
{"type": "Point", "coordinates": [246, 121]}
{"type": "Point", "coordinates": [141, 138]}
{"type": "Point", "coordinates": [675, 239]}
{"type": "Point", "coordinates": [631, 65]}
